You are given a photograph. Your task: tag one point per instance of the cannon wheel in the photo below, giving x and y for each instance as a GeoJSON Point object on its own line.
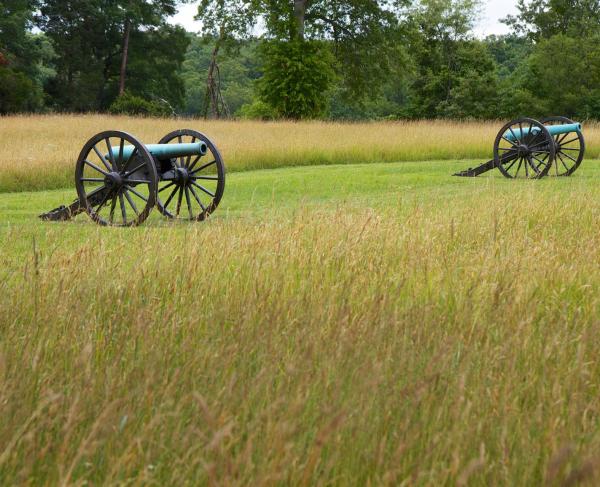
{"type": "Point", "coordinates": [524, 149]}
{"type": "Point", "coordinates": [570, 148]}
{"type": "Point", "coordinates": [113, 190]}
{"type": "Point", "coordinates": [203, 190]}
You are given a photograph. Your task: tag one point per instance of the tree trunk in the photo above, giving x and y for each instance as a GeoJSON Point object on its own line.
{"type": "Point", "coordinates": [299, 17]}
{"type": "Point", "coordinates": [210, 101]}
{"type": "Point", "coordinates": [126, 33]}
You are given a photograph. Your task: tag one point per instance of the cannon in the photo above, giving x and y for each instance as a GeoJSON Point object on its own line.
{"type": "Point", "coordinates": [119, 180]}
{"type": "Point", "coordinates": [532, 149]}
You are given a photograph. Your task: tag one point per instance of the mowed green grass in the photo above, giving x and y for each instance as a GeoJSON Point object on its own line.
{"type": "Point", "coordinates": [382, 324]}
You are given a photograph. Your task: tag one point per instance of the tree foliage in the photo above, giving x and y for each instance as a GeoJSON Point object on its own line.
{"type": "Point", "coordinates": [297, 76]}
{"type": "Point", "coordinates": [19, 57]}
{"type": "Point", "coordinates": [363, 34]}
{"type": "Point", "coordinates": [87, 36]}
{"type": "Point", "coordinates": [543, 19]}
{"type": "Point", "coordinates": [348, 59]}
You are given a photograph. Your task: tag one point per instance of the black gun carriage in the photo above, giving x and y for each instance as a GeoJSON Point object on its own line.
{"type": "Point", "coordinates": [532, 149]}
{"type": "Point", "coordinates": [119, 180]}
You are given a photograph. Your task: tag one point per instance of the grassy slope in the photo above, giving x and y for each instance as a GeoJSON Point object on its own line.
{"type": "Point", "coordinates": [380, 322]}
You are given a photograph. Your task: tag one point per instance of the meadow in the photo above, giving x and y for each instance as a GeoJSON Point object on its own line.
{"type": "Point", "coordinates": [365, 323]}
{"type": "Point", "coordinates": [37, 152]}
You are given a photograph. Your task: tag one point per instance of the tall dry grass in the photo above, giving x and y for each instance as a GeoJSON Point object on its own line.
{"type": "Point", "coordinates": [39, 152]}
{"type": "Point", "coordinates": [433, 343]}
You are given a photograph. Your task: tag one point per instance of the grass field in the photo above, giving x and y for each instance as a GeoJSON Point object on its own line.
{"type": "Point", "coordinates": [367, 324]}
{"type": "Point", "coordinates": [38, 152]}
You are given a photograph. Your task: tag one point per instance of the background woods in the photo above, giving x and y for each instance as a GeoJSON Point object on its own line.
{"type": "Point", "coordinates": [349, 59]}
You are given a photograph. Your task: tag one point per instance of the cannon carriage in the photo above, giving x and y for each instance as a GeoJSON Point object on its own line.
{"type": "Point", "coordinates": [119, 180]}
{"type": "Point", "coordinates": [532, 149]}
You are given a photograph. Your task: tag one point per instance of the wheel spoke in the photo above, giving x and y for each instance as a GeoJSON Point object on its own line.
{"type": "Point", "coordinates": [112, 208]}
{"type": "Point", "coordinates": [137, 181]}
{"type": "Point", "coordinates": [568, 156]}
{"type": "Point", "coordinates": [514, 135]}
{"type": "Point", "coordinates": [189, 158]}
{"type": "Point", "coordinates": [197, 199]}
{"type": "Point", "coordinates": [535, 169]}
{"type": "Point", "coordinates": [563, 162]}
{"type": "Point", "coordinates": [541, 163]}
{"type": "Point", "coordinates": [135, 169]}
{"type": "Point", "coordinates": [202, 188]}
{"type": "Point", "coordinates": [204, 166]}
{"type": "Point", "coordinates": [209, 178]}
{"type": "Point", "coordinates": [92, 180]}
{"type": "Point", "coordinates": [139, 195]}
{"type": "Point", "coordinates": [102, 158]}
{"type": "Point", "coordinates": [166, 186]}
{"type": "Point", "coordinates": [570, 141]}
{"type": "Point", "coordinates": [179, 198]}
{"type": "Point", "coordinates": [102, 203]}
{"type": "Point", "coordinates": [123, 211]}
{"type": "Point", "coordinates": [189, 203]}
{"type": "Point", "coordinates": [191, 166]}
{"type": "Point", "coordinates": [519, 166]}
{"type": "Point", "coordinates": [132, 158]}
{"type": "Point", "coordinates": [511, 165]}
{"type": "Point", "coordinates": [511, 143]}
{"type": "Point", "coordinates": [180, 141]}
{"type": "Point", "coordinates": [111, 156]}
{"type": "Point", "coordinates": [131, 202]}
{"type": "Point", "coordinates": [543, 142]}
{"type": "Point", "coordinates": [92, 165]}
{"type": "Point", "coordinates": [121, 144]}
{"type": "Point", "coordinates": [575, 149]}
{"type": "Point", "coordinates": [529, 133]}
{"type": "Point", "coordinates": [170, 197]}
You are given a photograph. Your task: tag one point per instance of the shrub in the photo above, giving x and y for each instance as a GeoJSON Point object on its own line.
{"type": "Point", "coordinates": [128, 104]}
{"type": "Point", "coordinates": [18, 93]}
{"type": "Point", "coordinates": [257, 110]}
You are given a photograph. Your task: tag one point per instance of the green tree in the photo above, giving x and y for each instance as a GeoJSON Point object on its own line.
{"type": "Point", "coordinates": [19, 57]}
{"type": "Point", "coordinates": [297, 76]}
{"type": "Point", "coordinates": [455, 75]}
{"type": "Point", "coordinates": [543, 19]}
{"type": "Point", "coordinates": [567, 84]}
{"type": "Point", "coordinates": [362, 35]}
{"type": "Point", "coordinates": [510, 52]}
{"type": "Point", "coordinates": [239, 68]}
{"type": "Point", "coordinates": [91, 37]}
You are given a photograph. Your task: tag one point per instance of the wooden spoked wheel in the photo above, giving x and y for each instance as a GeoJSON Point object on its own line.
{"type": "Point", "coordinates": [524, 149]}
{"type": "Point", "coordinates": [116, 179]}
{"type": "Point", "coordinates": [570, 148]}
{"type": "Point", "coordinates": [196, 193]}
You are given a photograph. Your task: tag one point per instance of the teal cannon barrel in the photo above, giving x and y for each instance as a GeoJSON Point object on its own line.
{"type": "Point", "coordinates": [515, 134]}
{"type": "Point", "coordinates": [165, 151]}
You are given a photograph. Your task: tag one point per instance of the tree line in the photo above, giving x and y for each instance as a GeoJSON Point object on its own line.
{"type": "Point", "coordinates": [343, 59]}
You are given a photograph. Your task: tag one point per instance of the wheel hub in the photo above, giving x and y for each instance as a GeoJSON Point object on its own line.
{"type": "Point", "coordinates": [523, 150]}
{"type": "Point", "coordinates": [113, 180]}
{"type": "Point", "coordinates": [182, 175]}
